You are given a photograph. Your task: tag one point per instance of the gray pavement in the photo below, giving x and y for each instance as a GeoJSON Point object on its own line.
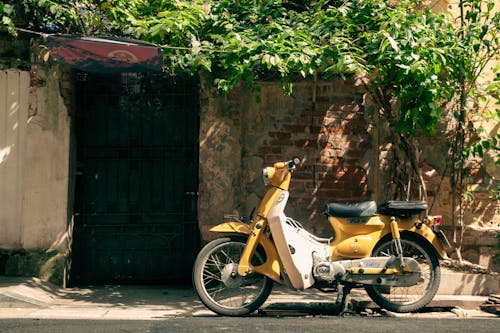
{"type": "Point", "coordinates": [33, 298]}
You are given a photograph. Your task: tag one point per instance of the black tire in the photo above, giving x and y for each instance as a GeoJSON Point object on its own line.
{"type": "Point", "coordinates": [408, 299]}
{"type": "Point", "coordinates": [225, 294]}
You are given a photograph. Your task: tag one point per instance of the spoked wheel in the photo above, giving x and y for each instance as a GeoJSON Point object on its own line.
{"type": "Point", "coordinates": [218, 284]}
{"type": "Point", "coordinates": [408, 299]}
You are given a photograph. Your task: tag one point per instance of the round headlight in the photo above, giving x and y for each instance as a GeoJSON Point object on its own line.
{"type": "Point", "coordinates": [265, 176]}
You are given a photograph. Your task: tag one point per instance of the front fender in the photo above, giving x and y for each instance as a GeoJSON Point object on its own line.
{"type": "Point", "coordinates": [232, 228]}
{"type": "Point", "coordinates": [271, 267]}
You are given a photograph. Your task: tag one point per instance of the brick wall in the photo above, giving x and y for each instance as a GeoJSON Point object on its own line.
{"type": "Point", "coordinates": [323, 123]}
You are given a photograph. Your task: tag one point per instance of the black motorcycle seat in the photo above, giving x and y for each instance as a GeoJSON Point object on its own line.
{"type": "Point", "coordinates": [366, 208]}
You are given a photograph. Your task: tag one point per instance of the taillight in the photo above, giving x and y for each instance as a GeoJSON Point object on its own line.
{"type": "Point", "coordinates": [434, 220]}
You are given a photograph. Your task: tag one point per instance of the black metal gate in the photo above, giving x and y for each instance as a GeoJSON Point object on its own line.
{"type": "Point", "coordinates": [137, 178]}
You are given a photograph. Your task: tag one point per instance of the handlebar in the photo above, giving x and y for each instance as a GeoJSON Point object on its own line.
{"type": "Point", "coordinates": [293, 163]}
{"type": "Point", "coordinates": [277, 174]}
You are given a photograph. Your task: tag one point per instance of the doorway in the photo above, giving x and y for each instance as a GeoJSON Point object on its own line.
{"type": "Point", "coordinates": [137, 178]}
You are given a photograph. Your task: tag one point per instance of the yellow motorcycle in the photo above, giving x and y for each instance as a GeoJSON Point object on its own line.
{"type": "Point", "coordinates": [390, 250]}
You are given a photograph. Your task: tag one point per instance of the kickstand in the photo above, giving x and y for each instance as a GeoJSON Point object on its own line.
{"type": "Point", "coordinates": [344, 302]}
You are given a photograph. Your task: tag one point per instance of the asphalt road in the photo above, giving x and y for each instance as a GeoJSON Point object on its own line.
{"type": "Point", "coordinates": [255, 325]}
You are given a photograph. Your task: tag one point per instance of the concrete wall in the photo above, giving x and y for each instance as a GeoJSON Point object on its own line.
{"type": "Point", "coordinates": [46, 163]}
{"type": "Point", "coordinates": [14, 95]}
{"type": "Point", "coordinates": [35, 130]}
{"type": "Point", "coordinates": [34, 173]}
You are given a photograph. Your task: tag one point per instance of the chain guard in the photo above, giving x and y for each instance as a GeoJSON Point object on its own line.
{"type": "Point", "coordinates": [407, 277]}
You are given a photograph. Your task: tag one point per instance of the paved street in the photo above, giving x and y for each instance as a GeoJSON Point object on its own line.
{"type": "Point", "coordinates": [255, 325]}
{"type": "Point", "coordinates": [29, 305]}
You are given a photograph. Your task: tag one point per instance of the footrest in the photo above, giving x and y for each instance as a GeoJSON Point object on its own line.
{"type": "Point", "coordinates": [402, 208]}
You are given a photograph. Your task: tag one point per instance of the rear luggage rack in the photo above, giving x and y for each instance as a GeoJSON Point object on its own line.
{"type": "Point", "coordinates": [402, 208]}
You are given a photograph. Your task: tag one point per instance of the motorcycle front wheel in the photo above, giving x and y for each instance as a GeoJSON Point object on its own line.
{"type": "Point", "coordinates": [218, 284]}
{"type": "Point", "coordinates": [408, 299]}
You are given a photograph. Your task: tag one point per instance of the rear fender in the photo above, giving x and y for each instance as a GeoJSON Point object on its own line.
{"type": "Point", "coordinates": [426, 233]}
{"type": "Point", "coordinates": [271, 268]}
{"type": "Point", "coordinates": [419, 231]}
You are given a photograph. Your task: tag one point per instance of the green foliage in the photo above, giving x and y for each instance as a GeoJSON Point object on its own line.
{"type": "Point", "coordinates": [407, 48]}
{"type": "Point", "coordinates": [51, 15]}
{"type": "Point", "coordinates": [265, 40]}
{"type": "Point", "coordinates": [477, 47]}
{"type": "Point", "coordinates": [409, 53]}
{"type": "Point", "coordinates": [178, 24]}
{"type": "Point", "coordinates": [6, 11]}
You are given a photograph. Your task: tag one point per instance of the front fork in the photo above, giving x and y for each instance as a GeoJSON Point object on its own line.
{"type": "Point", "coordinates": [245, 267]}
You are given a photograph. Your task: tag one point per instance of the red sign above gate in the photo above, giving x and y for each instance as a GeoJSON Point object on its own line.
{"type": "Point", "coordinates": [105, 54]}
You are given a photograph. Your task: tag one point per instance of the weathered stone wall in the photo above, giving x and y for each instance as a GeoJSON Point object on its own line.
{"type": "Point", "coordinates": [323, 123]}
{"type": "Point", "coordinates": [480, 246]}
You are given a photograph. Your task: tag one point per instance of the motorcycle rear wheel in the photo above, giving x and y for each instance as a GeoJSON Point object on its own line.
{"type": "Point", "coordinates": [217, 285]}
{"type": "Point", "coordinates": [408, 299]}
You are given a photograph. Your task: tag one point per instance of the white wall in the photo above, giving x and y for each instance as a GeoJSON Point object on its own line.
{"type": "Point", "coordinates": [34, 159]}
{"type": "Point", "coordinates": [14, 90]}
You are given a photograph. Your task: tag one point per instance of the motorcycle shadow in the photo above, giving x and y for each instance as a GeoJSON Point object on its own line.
{"type": "Point", "coordinates": [298, 309]}
{"type": "Point", "coordinates": [286, 303]}
{"type": "Point", "coordinates": [354, 308]}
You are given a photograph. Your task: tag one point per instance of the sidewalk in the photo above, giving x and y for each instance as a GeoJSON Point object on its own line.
{"type": "Point", "coordinates": [33, 298]}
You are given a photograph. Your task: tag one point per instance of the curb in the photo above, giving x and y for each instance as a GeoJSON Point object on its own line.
{"type": "Point", "coordinates": [467, 284]}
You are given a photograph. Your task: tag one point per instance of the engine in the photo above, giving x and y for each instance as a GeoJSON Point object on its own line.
{"type": "Point", "coordinates": [328, 271]}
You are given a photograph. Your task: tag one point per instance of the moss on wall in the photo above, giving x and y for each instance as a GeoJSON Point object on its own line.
{"type": "Point", "coordinates": [46, 265]}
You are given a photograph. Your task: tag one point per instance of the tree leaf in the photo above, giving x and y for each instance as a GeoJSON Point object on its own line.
{"type": "Point", "coordinates": [479, 150]}
{"type": "Point", "coordinates": [393, 43]}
